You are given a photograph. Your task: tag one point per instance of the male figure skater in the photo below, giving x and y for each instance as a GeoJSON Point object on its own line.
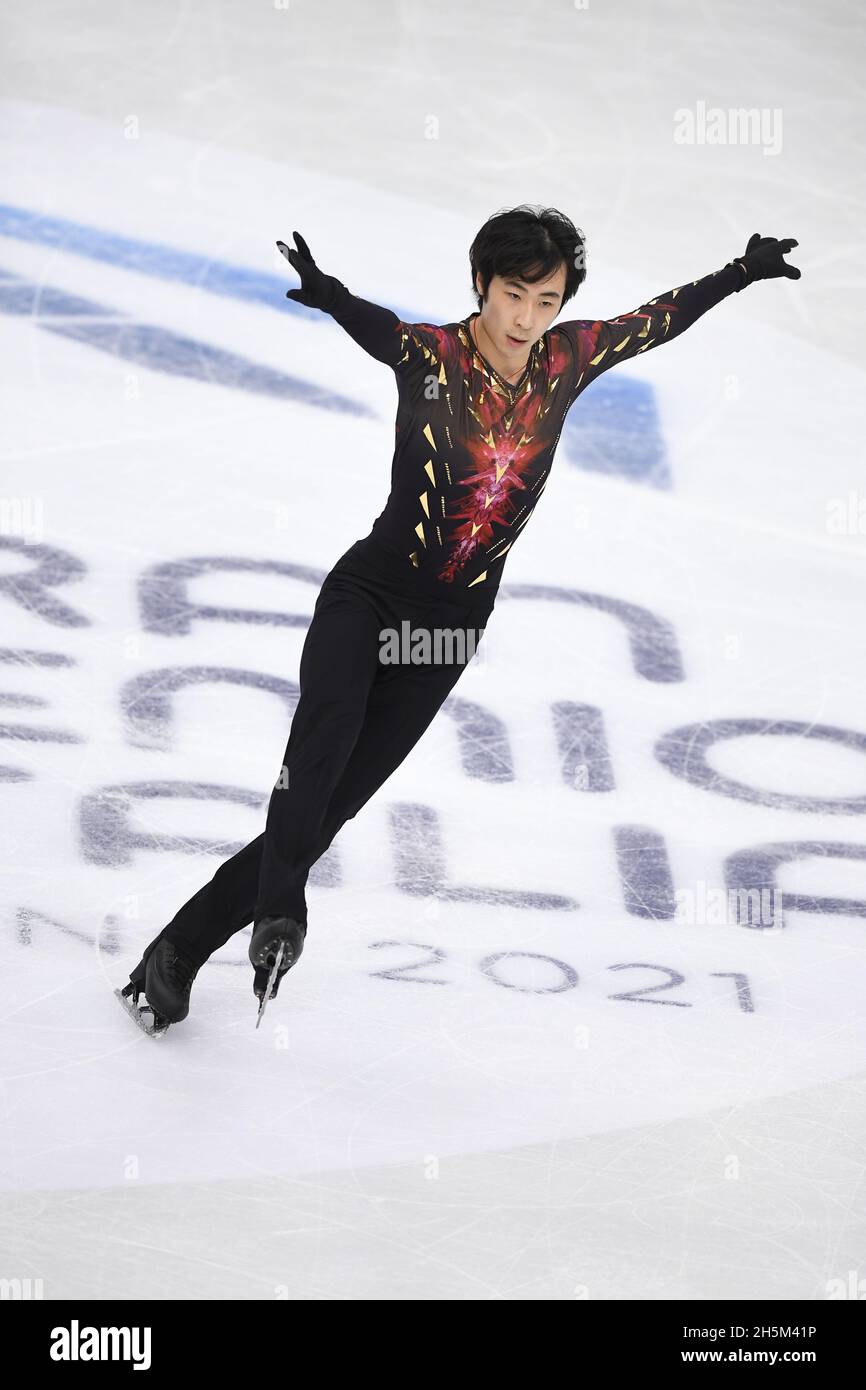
{"type": "Point", "coordinates": [481, 404]}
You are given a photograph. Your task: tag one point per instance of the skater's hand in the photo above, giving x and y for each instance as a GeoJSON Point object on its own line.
{"type": "Point", "coordinates": [763, 259]}
{"type": "Point", "coordinates": [317, 291]}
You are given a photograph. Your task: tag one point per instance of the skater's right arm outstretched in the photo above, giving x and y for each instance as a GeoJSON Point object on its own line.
{"type": "Point", "coordinates": [376, 329]}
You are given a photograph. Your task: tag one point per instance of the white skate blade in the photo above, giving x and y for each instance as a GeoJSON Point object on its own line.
{"type": "Point", "coordinates": [275, 968]}
{"type": "Point", "coordinates": [136, 1012]}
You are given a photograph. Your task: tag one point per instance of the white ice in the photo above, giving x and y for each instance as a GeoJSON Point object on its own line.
{"type": "Point", "coordinates": [447, 1099]}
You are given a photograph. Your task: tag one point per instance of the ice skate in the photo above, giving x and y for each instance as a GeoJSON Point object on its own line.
{"type": "Point", "coordinates": [156, 1024]}
{"type": "Point", "coordinates": [166, 975]}
{"type": "Point", "coordinates": [276, 944]}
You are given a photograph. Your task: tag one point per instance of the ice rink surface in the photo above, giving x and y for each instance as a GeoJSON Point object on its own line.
{"type": "Point", "coordinates": [528, 1053]}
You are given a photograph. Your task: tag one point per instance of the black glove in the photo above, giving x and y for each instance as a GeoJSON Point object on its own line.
{"type": "Point", "coordinates": [317, 291]}
{"type": "Point", "coordinates": [763, 259]}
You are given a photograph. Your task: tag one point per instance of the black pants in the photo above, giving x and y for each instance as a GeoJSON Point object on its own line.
{"type": "Point", "coordinates": [356, 719]}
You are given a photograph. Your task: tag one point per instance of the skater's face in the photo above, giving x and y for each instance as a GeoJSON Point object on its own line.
{"type": "Point", "coordinates": [515, 313]}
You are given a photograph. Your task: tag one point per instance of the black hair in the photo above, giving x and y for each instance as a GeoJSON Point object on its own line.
{"type": "Point", "coordinates": [529, 243]}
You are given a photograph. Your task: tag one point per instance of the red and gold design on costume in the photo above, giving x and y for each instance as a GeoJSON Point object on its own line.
{"type": "Point", "coordinates": [473, 451]}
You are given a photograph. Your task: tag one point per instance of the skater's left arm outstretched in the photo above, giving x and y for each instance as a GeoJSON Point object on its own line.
{"type": "Point", "coordinates": [602, 343]}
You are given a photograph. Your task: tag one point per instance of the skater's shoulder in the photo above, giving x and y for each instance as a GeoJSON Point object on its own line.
{"type": "Point", "coordinates": [427, 344]}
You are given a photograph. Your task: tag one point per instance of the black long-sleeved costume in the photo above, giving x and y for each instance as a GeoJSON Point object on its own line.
{"type": "Point", "coordinates": [473, 452]}
{"type": "Point", "coordinates": [471, 460]}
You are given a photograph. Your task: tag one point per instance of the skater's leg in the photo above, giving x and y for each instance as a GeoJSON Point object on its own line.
{"type": "Point", "coordinates": [398, 713]}
{"type": "Point", "coordinates": [338, 668]}
{"type": "Point", "coordinates": [402, 704]}
{"type": "Point", "coordinates": [338, 664]}
{"type": "Point", "coordinates": [223, 906]}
